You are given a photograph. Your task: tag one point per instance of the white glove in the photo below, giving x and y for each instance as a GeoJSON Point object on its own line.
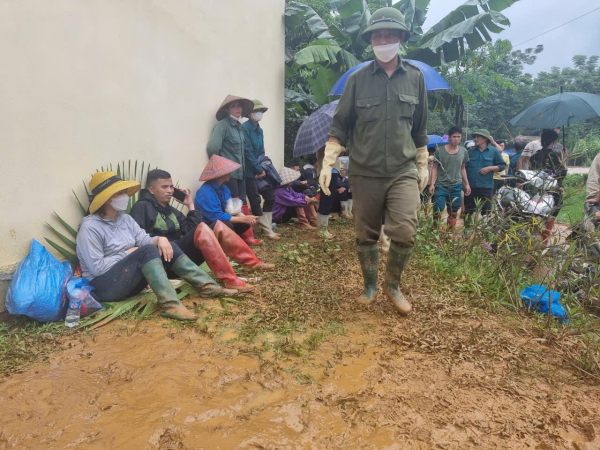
{"type": "Point", "coordinates": [422, 155]}
{"type": "Point", "coordinates": [332, 151]}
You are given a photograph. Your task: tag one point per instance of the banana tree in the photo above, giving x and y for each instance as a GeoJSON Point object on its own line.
{"type": "Point", "coordinates": [337, 47]}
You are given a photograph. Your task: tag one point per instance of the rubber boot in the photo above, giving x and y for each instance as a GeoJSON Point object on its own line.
{"type": "Point", "coordinates": [248, 235]}
{"type": "Point", "coordinates": [265, 223]}
{"type": "Point", "coordinates": [397, 259]}
{"type": "Point", "coordinates": [451, 222]}
{"type": "Point", "coordinates": [322, 222]}
{"type": "Point", "coordinates": [304, 223]}
{"type": "Point", "coordinates": [548, 231]}
{"type": "Point", "coordinates": [198, 278]}
{"type": "Point", "coordinates": [311, 215]}
{"type": "Point", "coordinates": [385, 241]}
{"type": "Point", "coordinates": [166, 295]}
{"type": "Point", "coordinates": [345, 213]}
{"type": "Point", "coordinates": [368, 255]}
{"type": "Point", "coordinates": [237, 249]}
{"type": "Point", "coordinates": [350, 207]}
{"type": "Point", "coordinates": [206, 241]}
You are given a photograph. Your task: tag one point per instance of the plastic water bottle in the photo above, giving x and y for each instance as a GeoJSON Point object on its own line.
{"type": "Point", "coordinates": [74, 311]}
{"type": "Point", "coordinates": [73, 315]}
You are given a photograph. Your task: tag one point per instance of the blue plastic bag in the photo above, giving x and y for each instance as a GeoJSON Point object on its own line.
{"type": "Point", "coordinates": [537, 298]}
{"type": "Point", "coordinates": [38, 288]}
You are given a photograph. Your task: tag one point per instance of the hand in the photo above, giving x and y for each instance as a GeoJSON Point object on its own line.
{"type": "Point", "coordinates": [132, 249]}
{"type": "Point", "coordinates": [432, 189]}
{"type": "Point", "coordinates": [422, 156]}
{"type": "Point", "coordinates": [188, 200]}
{"type": "Point", "coordinates": [597, 215]}
{"type": "Point", "coordinates": [484, 170]}
{"type": "Point", "coordinates": [165, 249]}
{"type": "Point", "coordinates": [263, 174]}
{"type": "Point", "coordinates": [467, 190]}
{"type": "Point", "coordinates": [343, 150]}
{"type": "Point", "coordinates": [332, 151]}
{"type": "Point", "coordinates": [304, 182]}
{"type": "Point", "coordinates": [341, 190]}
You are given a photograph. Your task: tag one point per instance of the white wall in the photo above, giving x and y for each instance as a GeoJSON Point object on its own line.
{"type": "Point", "coordinates": [84, 83]}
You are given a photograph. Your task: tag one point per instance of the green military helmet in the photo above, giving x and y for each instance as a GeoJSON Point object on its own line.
{"type": "Point", "coordinates": [258, 106]}
{"type": "Point", "coordinates": [385, 19]}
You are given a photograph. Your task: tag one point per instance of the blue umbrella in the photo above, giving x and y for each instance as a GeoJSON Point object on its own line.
{"type": "Point", "coordinates": [434, 140]}
{"type": "Point", "coordinates": [314, 131]}
{"type": "Point", "coordinates": [433, 80]}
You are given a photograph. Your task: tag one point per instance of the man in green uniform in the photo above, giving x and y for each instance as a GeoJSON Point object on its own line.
{"type": "Point", "coordinates": [383, 115]}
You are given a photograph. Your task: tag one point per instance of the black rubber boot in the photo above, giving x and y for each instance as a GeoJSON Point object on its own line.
{"type": "Point", "coordinates": [165, 292]}
{"type": "Point", "coordinates": [198, 278]}
{"type": "Point", "coordinates": [369, 262]}
{"type": "Point", "coordinates": [397, 259]}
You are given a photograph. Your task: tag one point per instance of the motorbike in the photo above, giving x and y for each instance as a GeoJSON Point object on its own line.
{"type": "Point", "coordinates": [536, 197]}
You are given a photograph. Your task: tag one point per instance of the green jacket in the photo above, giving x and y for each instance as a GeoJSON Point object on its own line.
{"type": "Point", "coordinates": [384, 119]}
{"type": "Point", "coordinates": [227, 140]}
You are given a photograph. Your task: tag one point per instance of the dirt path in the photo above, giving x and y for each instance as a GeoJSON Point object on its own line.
{"type": "Point", "coordinates": [452, 376]}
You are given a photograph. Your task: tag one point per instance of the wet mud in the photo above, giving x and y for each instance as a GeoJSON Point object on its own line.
{"type": "Point", "coordinates": [178, 388]}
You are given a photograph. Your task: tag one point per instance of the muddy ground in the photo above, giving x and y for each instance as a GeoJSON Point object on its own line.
{"type": "Point", "coordinates": [451, 376]}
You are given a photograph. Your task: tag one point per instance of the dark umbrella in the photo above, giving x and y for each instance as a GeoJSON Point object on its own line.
{"type": "Point", "coordinates": [558, 110]}
{"type": "Point", "coordinates": [314, 132]}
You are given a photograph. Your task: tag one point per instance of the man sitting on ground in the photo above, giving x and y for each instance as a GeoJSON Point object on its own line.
{"type": "Point", "coordinates": [154, 214]}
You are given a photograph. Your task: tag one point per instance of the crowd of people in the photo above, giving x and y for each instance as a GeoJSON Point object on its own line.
{"type": "Point", "coordinates": [123, 253]}
{"type": "Point", "coordinates": [478, 170]}
{"type": "Point", "coordinates": [381, 115]}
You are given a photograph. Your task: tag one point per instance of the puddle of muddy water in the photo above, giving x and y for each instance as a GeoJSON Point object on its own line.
{"type": "Point", "coordinates": [165, 389]}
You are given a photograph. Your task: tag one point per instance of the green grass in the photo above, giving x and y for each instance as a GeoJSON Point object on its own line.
{"type": "Point", "coordinates": [27, 342]}
{"type": "Point", "coordinates": [572, 210]}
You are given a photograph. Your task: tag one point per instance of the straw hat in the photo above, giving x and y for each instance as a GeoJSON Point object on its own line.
{"type": "Point", "coordinates": [288, 175]}
{"type": "Point", "coordinates": [258, 106]}
{"type": "Point", "coordinates": [247, 106]}
{"type": "Point", "coordinates": [218, 166]}
{"type": "Point", "coordinates": [104, 185]}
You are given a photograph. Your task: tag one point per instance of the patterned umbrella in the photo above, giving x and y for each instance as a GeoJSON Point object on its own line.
{"type": "Point", "coordinates": [314, 132]}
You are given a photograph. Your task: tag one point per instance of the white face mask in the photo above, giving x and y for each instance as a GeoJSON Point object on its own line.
{"type": "Point", "coordinates": [386, 53]}
{"type": "Point", "coordinates": [120, 203]}
{"type": "Point", "coordinates": [256, 116]}
{"type": "Point", "coordinates": [237, 119]}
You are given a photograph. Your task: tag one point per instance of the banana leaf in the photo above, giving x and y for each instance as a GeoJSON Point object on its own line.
{"type": "Point", "coordinates": [67, 254]}
{"type": "Point", "coordinates": [63, 238]}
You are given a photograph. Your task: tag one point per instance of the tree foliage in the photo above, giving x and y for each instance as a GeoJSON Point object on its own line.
{"type": "Point", "coordinates": [323, 41]}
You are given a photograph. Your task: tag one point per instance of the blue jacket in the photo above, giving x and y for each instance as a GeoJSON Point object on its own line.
{"type": "Point", "coordinates": [211, 200]}
{"type": "Point", "coordinates": [478, 160]}
{"type": "Point", "coordinates": [254, 143]}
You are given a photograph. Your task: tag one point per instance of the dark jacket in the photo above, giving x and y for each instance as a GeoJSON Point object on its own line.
{"type": "Point", "coordinates": [272, 180]}
{"type": "Point", "coordinates": [163, 221]}
{"type": "Point", "coordinates": [308, 173]}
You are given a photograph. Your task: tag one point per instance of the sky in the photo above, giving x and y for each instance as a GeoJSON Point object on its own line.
{"type": "Point", "coordinates": [530, 18]}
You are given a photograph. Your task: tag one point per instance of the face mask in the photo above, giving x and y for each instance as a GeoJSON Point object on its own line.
{"type": "Point", "coordinates": [386, 53]}
{"type": "Point", "coordinates": [120, 203]}
{"type": "Point", "coordinates": [237, 119]}
{"type": "Point", "coordinates": [257, 116]}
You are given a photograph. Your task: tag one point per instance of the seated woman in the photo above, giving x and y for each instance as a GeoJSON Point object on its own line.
{"type": "Point", "coordinates": [289, 203]}
{"type": "Point", "coordinates": [121, 259]}
{"type": "Point", "coordinates": [212, 201]}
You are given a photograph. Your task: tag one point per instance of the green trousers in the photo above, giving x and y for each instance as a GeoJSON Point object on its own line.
{"type": "Point", "coordinates": [395, 198]}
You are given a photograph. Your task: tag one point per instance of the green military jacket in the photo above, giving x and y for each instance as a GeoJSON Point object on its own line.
{"type": "Point", "coordinates": [384, 119]}
{"type": "Point", "coordinates": [227, 140]}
